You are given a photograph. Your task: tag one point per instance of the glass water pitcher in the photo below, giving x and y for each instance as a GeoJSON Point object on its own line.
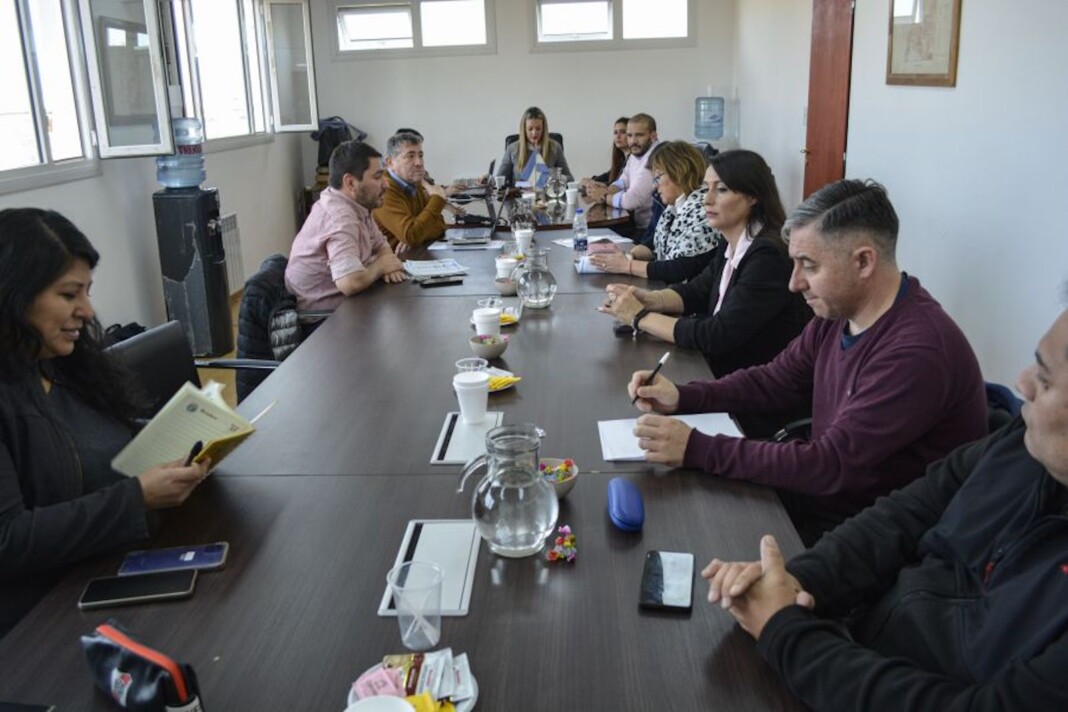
{"type": "Point", "coordinates": [514, 508]}
{"type": "Point", "coordinates": [536, 286]}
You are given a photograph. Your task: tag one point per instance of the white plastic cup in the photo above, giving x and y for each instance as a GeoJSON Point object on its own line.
{"type": "Point", "coordinates": [472, 391]}
{"type": "Point", "coordinates": [487, 321]}
{"type": "Point", "coordinates": [505, 267]}
{"type": "Point", "coordinates": [524, 237]}
{"type": "Point", "coordinates": [498, 182]}
{"type": "Point", "coordinates": [416, 587]}
{"type": "Point", "coordinates": [574, 184]}
{"type": "Point", "coordinates": [572, 195]}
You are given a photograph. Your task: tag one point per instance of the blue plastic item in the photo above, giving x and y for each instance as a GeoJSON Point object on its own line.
{"type": "Point", "coordinates": [625, 506]}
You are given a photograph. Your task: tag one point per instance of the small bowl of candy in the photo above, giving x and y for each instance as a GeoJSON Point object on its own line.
{"type": "Point", "coordinates": [561, 474]}
{"type": "Point", "coordinates": [488, 346]}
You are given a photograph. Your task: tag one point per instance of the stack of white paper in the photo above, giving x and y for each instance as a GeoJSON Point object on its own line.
{"type": "Point", "coordinates": [619, 443]}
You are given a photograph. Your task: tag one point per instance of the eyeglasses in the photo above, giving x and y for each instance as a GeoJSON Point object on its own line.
{"type": "Point", "coordinates": [657, 176]}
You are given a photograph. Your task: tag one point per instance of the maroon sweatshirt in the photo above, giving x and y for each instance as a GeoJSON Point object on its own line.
{"type": "Point", "coordinates": [903, 395]}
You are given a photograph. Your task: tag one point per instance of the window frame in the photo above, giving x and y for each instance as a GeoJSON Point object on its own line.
{"type": "Point", "coordinates": [490, 47]}
{"type": "Point", "coordinates": [272, 68]}
{"type": "Point", "coordinates": [161, 101]}
{"type": "Point", "coordinates": [188, 74]}
{"type": "Point", "coordinates": [49, 171]}
{"type": "Point", "coordinates": [616, 43]}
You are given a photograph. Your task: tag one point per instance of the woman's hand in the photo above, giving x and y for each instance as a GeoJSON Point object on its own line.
{"type": "Point", "coordinates": [661, 396]}
{"type": "Point", "coordinates": [643, 253]}
{"type": "Point", "coordinates": [611, 262]}
{"type": "Point", "coordinates": [623, 302]}
{"type": "Point", "coordinates": [171, 483]}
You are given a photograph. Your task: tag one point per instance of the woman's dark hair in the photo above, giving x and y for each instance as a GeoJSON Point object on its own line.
{"type": "Point", "coordinates": [619, 156]}
{"type": "Point", "coordinates": [37, 247]}
{"type": "Point", "coordinates": [747, 173]}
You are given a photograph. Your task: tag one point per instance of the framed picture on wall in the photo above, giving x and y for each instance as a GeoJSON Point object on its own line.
{"type": "Point", "coordinates": [923, 42]}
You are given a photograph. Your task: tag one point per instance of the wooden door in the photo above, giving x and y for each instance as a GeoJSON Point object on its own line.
{"type": "Point", "coordinates": [828, 92]}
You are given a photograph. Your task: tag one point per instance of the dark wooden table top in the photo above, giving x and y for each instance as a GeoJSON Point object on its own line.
{"type": "Point", "coordinates": [481, 272]}
{"type": "Point", "coordinates": [291, 621]}
{"type": "Point", "coordinates": [369, 391]}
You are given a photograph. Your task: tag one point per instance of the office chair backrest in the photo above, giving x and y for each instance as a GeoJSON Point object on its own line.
{"type": "Point", "coordinates": [512, 138]}
{"type": "Point", "coordinates": [264, 297]}
{"type": "Point", "coordinates": [160, 360]}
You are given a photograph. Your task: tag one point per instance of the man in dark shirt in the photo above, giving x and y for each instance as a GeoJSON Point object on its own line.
{"type": "Point", "coordinates": [952, 590]}
{"type": "Point", "coordinates": [893, 381]}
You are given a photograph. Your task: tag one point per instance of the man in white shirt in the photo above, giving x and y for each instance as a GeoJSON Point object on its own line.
{"type": "Point", "coordinates": [633, 190]}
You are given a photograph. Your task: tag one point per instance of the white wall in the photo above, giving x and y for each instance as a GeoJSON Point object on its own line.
{"type": "Point", "coordinates": [772, 63]}
{"type": "Point", "coordinates": [978, 173]}
{"type": "Point", "coordinates": [114, 210]}
{"type": "Point", "coordinates": [465, 106]}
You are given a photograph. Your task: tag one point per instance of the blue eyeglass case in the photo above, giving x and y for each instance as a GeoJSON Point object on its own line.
{"type": "Point", "coordinates": [625, 506]}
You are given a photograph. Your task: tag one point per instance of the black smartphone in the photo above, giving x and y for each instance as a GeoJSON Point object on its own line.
{"type": "Point", "coordinates": [667, 581]}
{"type": "Point", "coordinates": [441, 281]}
{"type": "Point", "coordinates": [621, 329]}
{"type": "Point", "coordinates": [123, 590]}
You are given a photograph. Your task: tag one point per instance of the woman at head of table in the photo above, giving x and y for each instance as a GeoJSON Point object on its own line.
{"type": "Point", "coordinates": [535, 154]}
{"type": "Point", "coordinates": [683, 238]}
{"type": "Point", "coordinates": [65, 411]}
{"type": "Point", "coordinates": [739, 311]}
{"type": "Point", "coordinates": [619, 155]}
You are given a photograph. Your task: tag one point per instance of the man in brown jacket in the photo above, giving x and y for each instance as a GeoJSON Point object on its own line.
{"type": "Point", "coordinates": [410, 214]}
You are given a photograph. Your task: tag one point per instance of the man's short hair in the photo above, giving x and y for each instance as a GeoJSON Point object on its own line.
{"type": "Point", "coordinates": [847, 208]}
{"type": "Point", "coordinates": [649, 121]}
{"type": "Point", "coordinates": [407, 130]}
{"type": "Point", "coordinates": [350, 157]}
{"type": "Point", "coordinates": [396, 143]}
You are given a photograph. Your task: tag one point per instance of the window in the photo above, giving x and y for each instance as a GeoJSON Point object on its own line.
{"type": "Point", "coordinates": [292, 70]}
{"type": "Point", "coordinates": [40, 123]}
{"type": "Point", "coordinates": [218, 45]}
{"type": "Point", "coordinates": [408, 25]}
{"type": "Point", "coordinates": [593, 24]}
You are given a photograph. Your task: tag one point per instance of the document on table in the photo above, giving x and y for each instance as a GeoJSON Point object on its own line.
{"type": "Point", "coordinates": [595, 234]}
{"type": "Point", "coordinates": [434, 268]}
{"type": "Point", "coordinates": [584, 266]}
{"type": "Point", "coordinates": [618, 441]}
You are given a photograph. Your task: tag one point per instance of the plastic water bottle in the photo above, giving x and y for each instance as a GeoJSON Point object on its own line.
{"type": "Point", "coordinates": [185, 169]}
{"type": "Point", "coordinates": [580, 240]}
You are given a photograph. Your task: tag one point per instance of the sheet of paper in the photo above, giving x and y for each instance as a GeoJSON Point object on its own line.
{"type": "Point", "coordinates": [618, 442]}
{"type": "Point", "coordinates": [584, 266]}
{"type": "Point", "coordinates": [434, 268]}
{"type": "Point", "coordinates": [597, 233]}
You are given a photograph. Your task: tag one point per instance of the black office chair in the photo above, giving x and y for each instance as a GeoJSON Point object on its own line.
{"type": "Point", "coordinates": [161, 362]}
{"type": "Point", "coordinates": [512, 138]}
{"type": "Point", "coordinates": [269, 325]}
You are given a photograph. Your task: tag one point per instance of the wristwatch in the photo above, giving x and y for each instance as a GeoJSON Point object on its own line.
{"type": "Point", "coordinates": [642, 313]}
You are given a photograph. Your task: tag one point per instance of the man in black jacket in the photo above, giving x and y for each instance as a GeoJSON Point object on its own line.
{"type": "Point", "coordinates": [951, 593]}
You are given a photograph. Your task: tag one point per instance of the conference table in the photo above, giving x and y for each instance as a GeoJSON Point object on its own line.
{"type": "Point", "coordinates": [316, 502]}
{"type": "Point", "coordinates": [548, 215]}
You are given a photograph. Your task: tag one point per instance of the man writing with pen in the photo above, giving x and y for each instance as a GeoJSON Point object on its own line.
{"type": "Point", "coordinates": [893, 381]}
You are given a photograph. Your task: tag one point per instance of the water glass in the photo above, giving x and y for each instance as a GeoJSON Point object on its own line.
{"type": "Point", "coordinates": [416, 587]}
{"type": "Point", "coordinates": [466, 365]}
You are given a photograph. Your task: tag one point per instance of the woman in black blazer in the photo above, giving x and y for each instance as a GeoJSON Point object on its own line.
{"type": "Point", "coordinates": [739, 311]}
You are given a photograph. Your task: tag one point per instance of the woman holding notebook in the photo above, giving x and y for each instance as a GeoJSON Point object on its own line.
{"type": "Point", "coordinates": [65, 411]}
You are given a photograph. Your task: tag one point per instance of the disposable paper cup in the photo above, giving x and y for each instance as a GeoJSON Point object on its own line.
{"type": "Point", "coordinates": [524, 238]}
{"type": "Point", "coordinates": [572, 195]}
{"type": "Point", "coordinates": [574, 184]}
{"type": "Point", "coordinates": [472, 392]}
{"type": "Point", "coordinates": [505, 267]}
{"type": "Point", "coordinates": [498, 182]}
{"type": "Point", "coordinates": [487, 321]}
{"type": "Point", "coordinates": [416, 587]}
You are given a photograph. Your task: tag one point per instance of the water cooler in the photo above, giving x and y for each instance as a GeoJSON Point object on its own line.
{"type": "Point", "coordinates": [191, 252]}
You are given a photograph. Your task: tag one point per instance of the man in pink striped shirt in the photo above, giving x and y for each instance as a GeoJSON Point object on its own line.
{"type": "Point", "coordinates": [340, 251]}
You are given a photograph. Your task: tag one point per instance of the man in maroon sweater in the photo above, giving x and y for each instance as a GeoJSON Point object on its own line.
{"type": "Point", "coordinates": [893, 381]}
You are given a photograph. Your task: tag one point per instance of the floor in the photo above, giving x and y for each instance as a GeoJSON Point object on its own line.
{"type": "Point", "coordinates": [226, 376]}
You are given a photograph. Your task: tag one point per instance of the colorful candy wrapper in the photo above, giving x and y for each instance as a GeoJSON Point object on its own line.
{"type": "Point", "coordinates": [564, 548]}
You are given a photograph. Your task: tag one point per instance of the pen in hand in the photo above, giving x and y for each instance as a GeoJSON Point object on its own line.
{"type": "Point", "coordinates": [652, 376]}
{"type": "Point", "coordinates": [197, 447]}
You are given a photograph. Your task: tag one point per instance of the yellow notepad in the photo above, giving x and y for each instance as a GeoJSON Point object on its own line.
{"type": "Point", "coordinates": [192, 414]}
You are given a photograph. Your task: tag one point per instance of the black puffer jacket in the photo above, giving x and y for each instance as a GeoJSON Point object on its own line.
{"type": "Point", "coordinates": [268, 326]}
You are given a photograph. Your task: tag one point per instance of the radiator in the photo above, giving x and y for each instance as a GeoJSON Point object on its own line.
{"type": "Point", "coordinates": [235, 265]}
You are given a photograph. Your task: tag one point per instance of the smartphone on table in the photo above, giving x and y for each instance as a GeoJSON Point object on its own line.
{"type": "Point", "coordinates": [667, 581]}
{"type": "Point", "coordinates": [123, 590]}
{"type": "Point", "coordinates": [204, 557]}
